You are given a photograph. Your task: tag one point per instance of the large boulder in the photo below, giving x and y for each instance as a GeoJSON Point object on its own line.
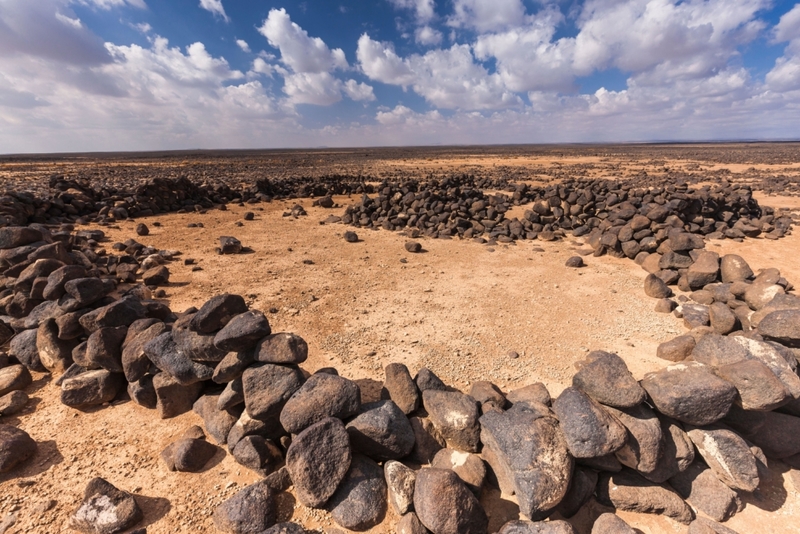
{"type": "Point", "coordinates": [529, 456]}
{"type": "Point", "coordinates": [728, 456]}
{"type": "Point", "coordinates": [268, 387]}
{"type": "Point", "coordinates": [589, 429]}
{"type": "Point", "coordinates": [445, 505]}
{"type": "Point", "coordinates": [605, 378]}
{"type": "Point", "coordinates": [317, 461]}
{"type": "Point", "coordinates": [321, 396]}
{"type": "Point", "coordinates": [690, 393]}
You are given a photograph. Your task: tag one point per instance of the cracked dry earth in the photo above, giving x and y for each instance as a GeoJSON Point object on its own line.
{"type": "Point", "coordinates": [459, 308]}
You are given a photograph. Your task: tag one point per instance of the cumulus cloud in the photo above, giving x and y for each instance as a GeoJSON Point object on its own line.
{"type": "Point", "coordinates": [788, 28]}
{"type": "Point", "coordinates": [108, 4]}
{"type": "Point", "coordinates": [447, 78]}
{"type": "Point", "coordinates": [299, 51]}
{"type": "Point", "coordinates": [427, 36]}
{"type": "Point", "coordinates": [359, 92]}
{"type": "Point", "coordinates": [785, 75]}
{"type": "Point", "coordinates": [487, 15]}
{"type": "Point", "coordinates": [215, 7]}
{"type": "Point", "coordinates": [424, 10]}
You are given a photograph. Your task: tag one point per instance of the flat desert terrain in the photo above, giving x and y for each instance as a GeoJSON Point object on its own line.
{"type": "Point", "coordinates": [459, 308]}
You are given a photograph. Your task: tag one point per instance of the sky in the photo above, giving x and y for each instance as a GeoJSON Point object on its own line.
{"type": "Point", "coordinates": [131, 75]}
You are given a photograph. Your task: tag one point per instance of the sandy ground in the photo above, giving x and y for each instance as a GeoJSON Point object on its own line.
{"type": "Point", "coordinates": [458, 308]}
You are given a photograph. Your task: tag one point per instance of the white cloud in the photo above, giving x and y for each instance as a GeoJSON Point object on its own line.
{"type": "Point", "coordinates": [380, 62]}
{"type": "Point", "coordinates": [447, 78]}
{"type": "Point", "coordinates": [142, 27]}
{"type": "Point", "coordinates": [69, 21]}
{"type": "Point", "coordinates": [108, 4]}
{"type": "Point", "coordinates": [299, 51]}
{"type": "Point", "coordinates": [359, 92]}
{"type": "Point", "coordinates": [241, 43]}
{"type": "Point", "coordinates": [261, 67]}
{"type": "Point", "coordinates": [214, 7]}
{"type": "Point", "coordinates": [427, 36]}
{"type": "Point", "coordinates": [487, 15]}
{"type": "Point", "coordinates": [424, 10]}
{"type": "Point", "coordinates": [788, 28]}
{"type": "Point", "coordinates": [318, 88]}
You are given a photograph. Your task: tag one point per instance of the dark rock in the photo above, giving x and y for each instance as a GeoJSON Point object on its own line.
{"type": "Point", "coordinates": [195, 346]}
{"type": "Point", "coordinates": [781, 326]}
{"type": "Point", "coordinates": [174, 398]}
{"type": "Point", "coordinates": [728, 456]}
{"type": "Point", "coordinates": [756, 384]}
{"type": "Point", "coordinates": [677, 452]}
{"type": "Point", "coordinates": [91, 388]}
{"type": "Point", "coordinates": [581, 489]}
{"type": "Point", "coordinates": [232, 396]}
{"type": "Point", "coordinates": [665, 306]}
{"type": "Point", "coordinates": [156, 276]}
{"type": "Point", "coordinates": [611, 524]}
{"type": "Point", "coordinates": [705, 492]}
{"type": "Point", "coordinates": [188, 455]}
{"type": "Point", "coordinates": [656, 288]}
{"type": "Point", "coordinates": [142, 229]}
{"type": "Point", "coordinates": [13, 402]}
{"type": "Point", "coordinates": [630, 492]}
{"type": "Point", "coordinates": [410, 524]}
{"type": "Point", "coordinates": [574, 262]}
{"type": "Point", "coordinates": [539, 527]}
{"type": "Point", "coordinates": [279, 480]}
{"type": "Point", "coordinates": [759, 294]}
{"type": "Point", "coordinates": [268, 387]}
{"type": "Point", "coordinates": [469, 467]}
{"type": "Point", "coordinates": [135, 363]}
{"type": "Point", "coordinates": [400, 388]}
{"type": "Point", "coordinates": [400, 482]}
{"type": "Point", "coordinates": [643, 449]}
{"type": "Point", "coordinates": [281, 348]}
{"type": "Point", "coordinates": [232, 366]}
{"type": "Point", "coordinates": [247, 426]}
{"type": "Point", "coordinates": [722, 319]}
{"type": "Point", "coordinates": [250, 511]}
{"type": "Point", "coordinates": [590, 431]}
{"type": "Point", "coordinates": [455, 417]}
{"type": "Point", "coordinates": [56, 280]}
{"type": "Point", "coordinates": [427, 440]}
{"type": "Point", "coordinates": [704, 270]}
{"type": "Point", "coordinates": [381, 431]}
{"type": "Point", "coordinates": [605, 378]}
{"type": "Point", "coordinates": [285, 528]}
{"type": "Point", "coordinates": [532, 393]}
{"type": "Point", "coordinates": [321, 396]}
{"type": "Point", "coordinates": [701, 525]}
{"type": "Point", "coordinates": [165, 354]}
{"type": "Point", "coordinates": [775, 433]}
{"type": "Point", "coordinates": [529, 456]}
{"type": "Point", "coordinates": [733, 268]}
{"type": "Point", "coordinates": [359, 502]}
{"type": "Point", "coordinates": [105, 510]}
{"type": "Point", "coordinates": [694, 315]}
{"type": "Point", "coordinates": [690, 393]}
{"type": "Point", "coordinates": [218, 422]}
{"type": "Point", "coordinates": [485, 392]}
{"type": "Point", "coordinates": [69, 326]}
{"type": "Point", "coordinates": [259, 454]}
{"type": "Point", "coordinates": [23, 348]}
{"type": "Point", "coordinates": [676, 349]}
{"type": "Point", "coordinates": [317, 461]}
{"type": "Point", "coordinates": [229, 245]}
{"type": "Point", "coordinates": [16, 446]}
{"type": "Point", "coordinates": [444, 505]}
{"type": "Point", "coordinates": [426, 379]}
{"type": "Point", "coordinates": [123, 312]}
{"type": "Point", "coordinates": [351, 237]}
{"type": "Point", "coordinates": [104, 349]}
{"type": "Point", "coordinates": [242, 332]}
{"type": "Point", "coordinates": [86, 291]}
{"type": "Point", "coordinates": [54, 353]}
{"type": "Point", "coordinates": [143, 393]}
{"type": "Point", "coordinates": [18, 236]}
{"type": "Point", "coordinates": [413, 247]}
{"type": "Point", "coordinates": [217, 312]}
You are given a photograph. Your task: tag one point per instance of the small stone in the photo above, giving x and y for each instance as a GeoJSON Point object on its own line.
{"type": "Point", "coordinates": [13, 402]}
{"type": "Point", "coordinates": [16, 446]}
{"type": "Point", "coordinates": [574, 262]}
{"type": "Point", "coordinates": [281, 348]}
{"type": "Point", "coordinates": [157, 276]}
{"type": "Point", "coordinates": [14, 378]}
{"type": "Point", "coordinates": [676, 349]}
{"type": "Point", "coordinates": [413, 247]}
{"type": "Point", "coordinates": [142, 229]}
{"type": "Point", "coordinates": [611, 524]}
{"type": "Point", "coordinates": [229, 245]}
{"type": "Point", "coordinates": [400, 388]}
{"type": "Point", "coordinates": [188, 455]}
{"type": "Point", "coordinates": [351, 237]}
{"type": "Point", "coordinates": [655, 288]}
{"type": "Point", "coordinates": [105, 510]}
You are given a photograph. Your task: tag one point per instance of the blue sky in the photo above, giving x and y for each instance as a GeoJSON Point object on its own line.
{"type": "Point", "coordinates": [85, 75]}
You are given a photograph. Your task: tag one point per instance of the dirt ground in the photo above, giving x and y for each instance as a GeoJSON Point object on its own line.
{"type": "Point", "coordinates": [458, 308]}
